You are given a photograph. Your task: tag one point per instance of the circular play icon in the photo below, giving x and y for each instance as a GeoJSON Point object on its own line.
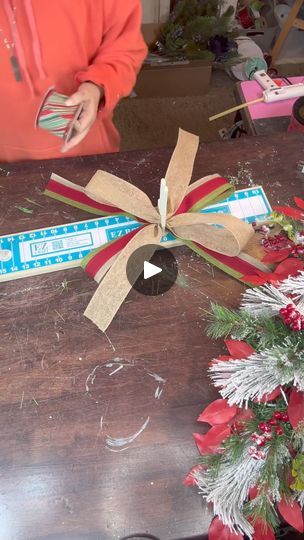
{"type": "Point", "coordinates": [152, 270]}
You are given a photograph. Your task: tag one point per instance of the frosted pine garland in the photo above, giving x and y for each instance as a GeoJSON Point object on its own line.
{"type": "Point", "coordinates": [251, 466]}
{"type": "Point", "coordinates": [268, 300]}
{"type": "Point", "coordinates": [259, 374]}
{"type": "Point", "coordinates": [293, 285]}
{"type": "Point", "coordinates": [229, 490]}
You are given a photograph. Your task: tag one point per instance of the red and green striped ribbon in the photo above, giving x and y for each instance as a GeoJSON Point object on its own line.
{"type": "Point", "coordinates": [95, 260]}
{"type": "Point", "coordinates": [234, 266]}
{"type": "Point", "coordinates": [203, 195]}
{"type": "Point", "coordinates": [79, 199]}
{"type": "Point", "coordinates": [54, 116]}
{"type": "Point", "coordinates": [210, 192]}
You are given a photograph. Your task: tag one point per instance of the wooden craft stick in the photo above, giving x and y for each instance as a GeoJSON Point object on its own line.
{"type": "Point", "coordinates": [234, 109]}
{"type": "Point", "coordinates": [163, 203]}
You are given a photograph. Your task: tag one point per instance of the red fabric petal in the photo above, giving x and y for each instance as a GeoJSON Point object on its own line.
{"type": "Point", "coordinates": [289, 267]}
{"type": "Point", "coordinates": [219, 531]}
{"type": "Point", "coordinates": [270, 397]}
{"type": "Point", "coordinates": [292, 514]}
{"type": "Point", "coordinates": [213, 439]}
{"type": "Point", "coordinates": [299, 202]}
{"type": "Point", "coordinates": [277, 256]}
{"type": "Point", "coordinates": [238, 349]}
{"type": "Point", "coordinates": [296, 407]}
{"type": "Point", "coordinates": [255, 280]}
{"type": "Point", "coordinates": [199, 439]}
{"type": "Point", "coordinates": [290, 212]}
{"type": "Point", "coordinates": [262, 531]}
{"type": "Point", "coordinates": [218, 412]}
{"type": "Point", "coordinates": [189, 480]}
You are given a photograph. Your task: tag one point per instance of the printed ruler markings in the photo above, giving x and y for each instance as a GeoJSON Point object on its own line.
{"type": "Point", "coordinates": [55, 248]}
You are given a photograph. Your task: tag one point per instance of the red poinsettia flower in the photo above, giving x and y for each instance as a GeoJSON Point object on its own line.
{"type": "Point", "coordinates": [296, 407]}
{"type": "Point", "coordinates": [291, 512]}
{"type": "Point", "coordinates": [294, 213]}
{"type": "Point", "coordinates": [287, 268]}
{"type": "Point", "coordinates": [219, 531]}
{"type": "Point", "coordinates": [262, 531]}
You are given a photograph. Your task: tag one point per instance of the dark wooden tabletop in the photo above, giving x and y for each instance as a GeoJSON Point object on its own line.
{"type": "Point", "coordinates": [260, 126]}
{"type": "Point", "coordinates": [59, 401]}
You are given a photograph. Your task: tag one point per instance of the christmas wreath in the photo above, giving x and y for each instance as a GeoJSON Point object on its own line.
{"type": "Point", "coordinates": [251, 466]}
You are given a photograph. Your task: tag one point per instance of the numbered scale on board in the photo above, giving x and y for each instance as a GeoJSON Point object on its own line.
{"type": "Point", "coordinates": [57, 248]}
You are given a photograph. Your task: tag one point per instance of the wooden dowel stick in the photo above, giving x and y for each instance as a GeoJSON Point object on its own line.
{"type": "Point", "coordinates": [163, 203]}
{"type": "Point", "coordinates": [234, 109]}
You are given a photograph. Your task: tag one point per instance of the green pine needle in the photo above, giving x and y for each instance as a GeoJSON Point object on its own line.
{"type": "Point", "coordinates": [260, 332]}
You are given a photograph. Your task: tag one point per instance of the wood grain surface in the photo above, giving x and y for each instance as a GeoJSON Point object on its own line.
{"type": "Point", "coordinates": [59, 398]}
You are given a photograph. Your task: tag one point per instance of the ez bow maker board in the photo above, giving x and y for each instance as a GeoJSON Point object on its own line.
{"type": "Point", "coordinates": [57, 248]}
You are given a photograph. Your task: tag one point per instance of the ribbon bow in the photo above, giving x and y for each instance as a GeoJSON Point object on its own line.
{"type": "Point", "coordinates": [211, 235]}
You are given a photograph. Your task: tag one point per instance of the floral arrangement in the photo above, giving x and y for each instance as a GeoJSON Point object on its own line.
{"type": "Point", "coordinates": [198, 29]}
{"type": "Point", "coordinates": [251, 466]}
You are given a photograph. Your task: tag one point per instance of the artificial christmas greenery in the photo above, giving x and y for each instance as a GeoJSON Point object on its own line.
{"type": "Point", "coordinates": [252, 458]}
{"type": "Point", "coordinates": [198, 29]}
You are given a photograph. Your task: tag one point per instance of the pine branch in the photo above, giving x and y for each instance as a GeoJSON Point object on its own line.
{"type": "Point", "coordinates": [261, 508]}
{"type": "Point", "coordinates": [261, 373]}
{"type": "Point", "coordinates": [272, 484]}
{"type": "Point", "coordinates": [293, 285]}
{"type": "Point", "coordinates": [228, 489]}
{"type": "Point", "coordinates": [264, 301]}
{"type": "Point", "coordinates": [259, 332]}
{"type": "Point", "coordinates": [275, 468]}
{"type": "Point", "coordinates": [224, 322]}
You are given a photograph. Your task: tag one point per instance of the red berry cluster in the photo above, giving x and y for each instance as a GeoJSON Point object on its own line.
{"type": "Point", "coordinates": [276, 242]}
{"type": "Point", "coordinates": [292, 317]}
{"type": "Point", "coordinates": [272, 426]}
{"type": "Point", "coordinates": [256, 454]}
{"type": "Point", "coordinates": [298, 250]}
{"type": "Point", "coordinates": [267, 430]}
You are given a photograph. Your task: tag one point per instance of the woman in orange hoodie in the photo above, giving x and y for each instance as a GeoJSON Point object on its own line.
{"type": "Point", "coordinates": [90, 50]}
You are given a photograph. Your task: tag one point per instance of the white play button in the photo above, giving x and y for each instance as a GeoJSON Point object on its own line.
{"type": "Point", "coordinates": [151, 270]}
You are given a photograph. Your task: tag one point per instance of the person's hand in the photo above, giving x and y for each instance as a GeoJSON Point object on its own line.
{"type": "Point", "coordinates": [88, 94]}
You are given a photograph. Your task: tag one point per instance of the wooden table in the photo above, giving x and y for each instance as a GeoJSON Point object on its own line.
{"type": "Point", "coordinates": [259, 126]}
{"type": "Point", "coordinates": [58, 399]}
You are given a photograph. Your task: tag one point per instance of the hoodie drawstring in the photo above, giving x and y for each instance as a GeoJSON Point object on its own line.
{"type": "Point", "coordinates": [18, 43]}
{"type": "Point", "coordinates": [36, 43]}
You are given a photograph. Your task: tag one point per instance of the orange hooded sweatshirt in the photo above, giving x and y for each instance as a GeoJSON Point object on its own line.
{"type": "Point", "coordinates": [60, 44]}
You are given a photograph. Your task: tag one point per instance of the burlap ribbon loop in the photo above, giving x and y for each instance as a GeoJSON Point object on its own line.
{"type": "Point", "coordinates": [107, 188]}
{"type": "Point", "coordinates": [227, 238]}
{"type": "Point", "coordinates": [221, 233]}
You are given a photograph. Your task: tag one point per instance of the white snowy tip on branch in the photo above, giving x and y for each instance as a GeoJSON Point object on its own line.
{"type": "Point", "coordinates": [268, 300]}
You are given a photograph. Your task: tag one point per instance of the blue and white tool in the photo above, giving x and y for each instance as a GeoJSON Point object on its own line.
{"type": "Point", "coordinates": [57, 248]}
